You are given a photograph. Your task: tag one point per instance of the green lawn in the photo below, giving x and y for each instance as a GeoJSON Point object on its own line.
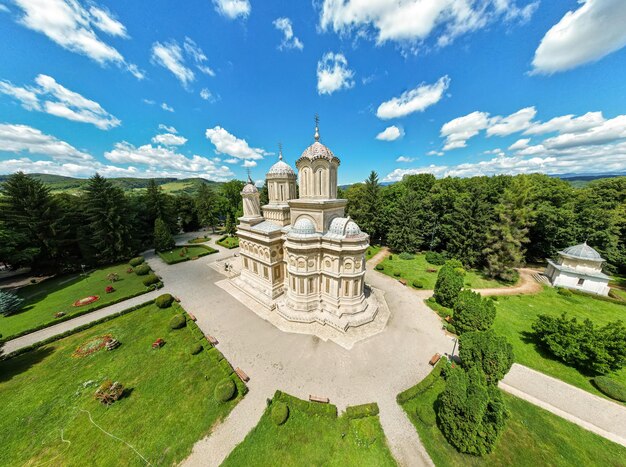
{"type": "Point", "coordinates": [58, 294]}
{"type": "Point", "coordinates": [371, 251]}
{"type": "Point", "coordinates": [516, 314]}
{"type": "Point", "coordinates": [532, 437]}
{"type": "Point", "coordinates": [417, 269]}
{"type": "Point", "coordinates": [182, 253]}
{"type": "Point", "coordinates": [620, 293]}
{"type": "Point", "coordinates": [228, 241]}
{"type": "Point", "coordinates": [310, 439]}
{"type": "Point", "coordinates": [170, 404]}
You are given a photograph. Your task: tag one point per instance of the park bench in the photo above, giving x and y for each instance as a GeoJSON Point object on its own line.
{"type": "Point", "coordinates": [402, 281]}
{"type": "Point", "coordinates": [321, 400]}
{"type": "Point", "coordinates": [192, 317]}
{"type": "Point", "coordinates": [242, 376]}
{"type": "Point", "coordinates": [448, 319]}
{"type": "Point", "coordinates": [434, 359]}
{"type": "Point", "coordinates": [212, 340]}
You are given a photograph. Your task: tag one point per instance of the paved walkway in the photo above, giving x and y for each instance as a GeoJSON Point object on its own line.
{"type": "Point", "coordinates": [594, 413]}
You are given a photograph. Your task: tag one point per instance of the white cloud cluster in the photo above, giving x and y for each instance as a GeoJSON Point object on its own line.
{"type": "Point", "coordinates": [414, 100]}
{"type": "Point", "coordinates": [405, 159]}
{"type": "Point", "coordinates": [50, 97]}
{"type": "Point", "coordinates": [333, 73]}
{"type": "Point", "coordinates": [169, 129]}
{"type": "Point", "coordinates": [459, 130]}
{"type": "Point", "coordinates": [169, 139]}
{"type": "Point", "coordinates": [390, 133]}
{"type": "Point", "coordinates": [207, 95]}
{"type": "Point", "coordinates": [236, 148]}
{"type": "Point", "coordinates": [22, 138]}
{"type": "Point", "coordinates": [290, 41]}
{"type": "Point", "coordinates": [585, 35]}
{"type": "Point", "coordinates": [173, 57]}
{"type": "Point", "coordinates": [232, 9]}
{"type": "Point", "coordinates": [166, 107]}
{"type": "Point", "coordinates": [415, 20]}
{"type": "Point", "coordinates": [74, 27]}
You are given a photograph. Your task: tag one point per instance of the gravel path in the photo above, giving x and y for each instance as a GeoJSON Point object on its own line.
{"type": "Point", "coordinates": [596, 414]}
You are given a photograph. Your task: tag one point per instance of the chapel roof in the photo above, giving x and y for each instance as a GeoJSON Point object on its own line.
{"type": "Point", "coordinates": [582, 251]}
{"type": "Point", "coordinates": [318, 150]}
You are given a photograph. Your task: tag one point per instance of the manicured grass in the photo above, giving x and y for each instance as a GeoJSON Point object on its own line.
{"type": "Point", "coordinates": [417, 269]}
{"type": "Point", "coordinates": [58, 294]}
{"type": "Point", "coordinates": [200, 240]}
{"type": "Point", "coordinates": [371, 251]}
{"type": "Point", "coordinates": [532, 436]}
{"type": "Point", "coordinates": [228, 241]}
{"type": "Point", "coordinates": [516, 313]}
{"type": "Point", "coordinates": [620, 293]}
{"type": "Point", "coordinates": [182, 253]}
{"type": "Point", "coordinates": [169, 405]}
{"type": "Point", "coordinates": [312, 439]}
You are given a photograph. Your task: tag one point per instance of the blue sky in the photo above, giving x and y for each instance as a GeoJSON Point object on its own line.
{"type": "Point", "coordinates": [464, 87]}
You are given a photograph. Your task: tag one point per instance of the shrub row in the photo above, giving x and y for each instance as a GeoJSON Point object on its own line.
{"type": "Point", "coordinates": [136, 261]}
{"type": "Point", "coordinates": [406, 256]}
{"type": "Point", "coordinates": [142, 270]}
{"type": "Point", "coordinates": [423, 385]}
{"type": "Point", "coordinates": [164, 301]}
{"type": "Point", "coordinates": [610, 387]}
{"type": "Point", "coordinates": [182, 259]}
{"type": "Point", "coordinates": [435, 258]}
{"type": "Point", "coordinates": [311, 408]}
{"type": "Point", "coordinates": [362, 411]}
{"type": "Point", "coordinates": [150, 279]}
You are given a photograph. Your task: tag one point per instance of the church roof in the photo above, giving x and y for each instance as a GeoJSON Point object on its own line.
{"type": "Point", "coordinates": [343, 227]}
{"type": "Point", "coordinates": [577, 272]}
{"type": "Point", "coordinates": [281, 168]}
{"type": "Point", "coordinates": [318, 150]}
{"type": "Point", "coordinates": [303, 227]}
{"type": "Point", "coordinates": [582, 251]}
{"type": "Point", "coordinates": [249, 188]}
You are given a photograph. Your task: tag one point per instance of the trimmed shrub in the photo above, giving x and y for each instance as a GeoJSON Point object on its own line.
{"type": "Point", "coordinates": [418, 284]}
{"type": "Point", "coordinates": [492, 353]}
{"type": "Point", "coordinates": [362, 411]}
{"type": "Point", "coordinates": [136, 261]}
{"type": "Point", "coordinates": [397, 273]}
{"type": "Point", "coordinates": [164, 301]}
{"type": "Point", "coordinates": [423, 385]}
{"type": "Point", "coordinates": [9, 303]}
{"type": "Point", "coordinates": [142, 270]}
{"type": "Point", "coordinates": [449, 283]}
{"type": "Point", "coordinates": [279, 412]}
{"type": "Point", "coordinates": [150, 279]}
{"type": "Point", "coordinates": [391, 257]}
{"type": "Point", "coordinates": [406, 256]}
{"type": "Point", "coordinates": [196, 349]}
{"type": "Point", "coordinates": [610, 387]}
{"type": "Point", "coordinates": [380, 267]}
{"type": "Point", "coordinates": [225, 390]}
{"type": "Point", "coordinates": [437, 259]}
{"type": "Point", "coordinates": [178, 321]}
{"type": "Point", "coordinates": [472, 312]}
{"type": "Point", "coordinates": [564, 292]}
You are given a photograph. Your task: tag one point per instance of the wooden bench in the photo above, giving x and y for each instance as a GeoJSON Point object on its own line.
{"type": "Point", "coordinates": [192, 317]}
{"type": "Point", "coordinates": [434, 359]}
{"type": "Point", "coordinates": [402, 281]}
{"type": "Point", "coordinates": [448, 319]}
{"type": "Point", "coordinates": [212, 340]}
{"type": "Point", "coordinates": [321, 400]}
{"type": "Point", "coordinates": [242, 376]}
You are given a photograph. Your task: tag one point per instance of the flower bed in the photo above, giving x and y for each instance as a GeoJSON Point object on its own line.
{"type": "Point", "coordinates": [92, 345]}
{"type": "Point", "coordinates": [86, 300]}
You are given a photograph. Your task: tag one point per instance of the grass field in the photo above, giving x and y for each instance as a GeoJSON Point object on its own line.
{"type": "Point", "coordinates": [417, 269]}
{"type": "Point", "coordinates": [182, 253]}
{"type": "Point", "coordinates": [200, 240]}
{"type": "Point", "coordinates": [532, 437]}
{"type": "Point", "coordinates": [371, 251]}
{"type": "Point", "coordinates": [47, 396]}
{"type": "Point", "coordinates": [228, 242]}
{"type": "Point", "coordinates": [516, 314]}
{"type": "Point", "coordinates": [58, 294]}
{"type": "Point", "coordinates": [308, 439]}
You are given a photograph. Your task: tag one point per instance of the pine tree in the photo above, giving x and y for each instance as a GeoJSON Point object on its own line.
{"type": "Point", "coordinates": [163, 239]}
{"type": "Point", "coordinates": [370, 212]}
{"type": "Point", "coordinates": [9, 303]}
{"type": "Point", "coordinates": [207, 206]}
{"type": "Point", "coordinates": [158, 205]}
{"type": "Point", "coordinates": [508, 234]}
{"type": "Point", "coordinates": [107, 232]}
{"type": "Point", "coordinates": [229, 226]}
{"type": "Point", "coordinates": [404, 231]}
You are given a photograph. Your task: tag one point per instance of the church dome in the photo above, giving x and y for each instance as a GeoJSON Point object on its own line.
{"type": "Point", "coordinates": [303, 226]}
{"type": "Point", "coordinates": [281, 169]}
{"type": "Point", "coordinates": [582, 251]}
{"type": "Point", "coordinates": [318, 151]}
{"type": "Point", "coordinates": [352, 230]}
{"type": "Point", "coordinates": [249, 188]}
{"type": "Point", "coordinates": [343, 227]}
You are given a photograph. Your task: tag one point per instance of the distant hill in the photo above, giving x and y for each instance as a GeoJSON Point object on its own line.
{"type": "Point", "coordinates": [59, 183]}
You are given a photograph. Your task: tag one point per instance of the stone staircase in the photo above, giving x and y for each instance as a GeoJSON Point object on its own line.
{"type": "Point", "coordinates": [539, 277]}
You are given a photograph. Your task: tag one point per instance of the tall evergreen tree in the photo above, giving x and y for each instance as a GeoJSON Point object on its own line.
{"type": "Point", "coordinates": [163, 239]}
{"type": "Point", "coordinates": [107, 222]}
{"type": "Point", "coordinates": [207, 207]}
{"type": "Point", "coordinates": [404, 229]}
{"type": "Point", "coordinates": [370, 221]}
{"type": "Point", "coordinates": [187, 212]}
{"type": "Point", "coordinates": [158, 205]}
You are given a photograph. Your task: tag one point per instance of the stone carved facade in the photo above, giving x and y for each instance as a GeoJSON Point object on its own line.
{"type": "Point", "coordinates": [302, 258]}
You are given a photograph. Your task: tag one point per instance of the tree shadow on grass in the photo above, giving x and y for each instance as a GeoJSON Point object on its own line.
{"type": "Point", "coordinates": [22, 363]}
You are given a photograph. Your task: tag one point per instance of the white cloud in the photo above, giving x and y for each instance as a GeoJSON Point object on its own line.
{"type": "Point", "coordinates": [414, 100]}
{"type": "Point", "coordinates": [207, 95]}
{"type": "Point", "coordinates": [414, 21]}
{"type": "Point", "coordinates": [290, 41]}
{"type": "Point", "coordinates": [169, 129]}
{"type": "Point", "coordinates": [4, 8]}
{"type": "Point", "coordinates": [459, 130]}
{"type": "Point", "coordinates": [148, 101]}
{"type": "Point", "coordinates": [164, 106]}
{"type": "Point", "coordinates": [232, 160]}
{"type": "Point", "coordinates": [390, 133]}
{"type": "Point", "coordinates": [169, 139]}
{"type": "Point", "coordinates": [606, 132]}
{"type": "Point", "coordinates": [567, 124]}
{"type": "Point", "coordinates": [170, 56]}
{"type": "Point", "coordinates": [434, 153]}
{"type": "Point", "coordinates": [22, 138]}
{"type": "Point", "coordinates": [405, 159]}
{"type": "Point", "coordinates": [249, 163]}
{"type": "Point", "coordinates": [70, 25]}
{"type": "Point", "coordinates": [593, 31]}
{"type": "Point", "coordinates": [514, 123]}
{"type": "Point", "coordinates": [333, 73]}
{"type": "Point", "coordinates": [232, 9]}
{"type": "Point", "coordinates": [197, 55]}
{"type": "Point", "coordinates": [50, 97]}
{"type": "Point", "coordinates": [228, 144]}
{"type": "Point", "coordinates": [519, 144]}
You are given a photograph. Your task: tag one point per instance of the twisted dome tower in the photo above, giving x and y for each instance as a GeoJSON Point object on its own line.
{"type": "Point", "coordinates": [281, 187]}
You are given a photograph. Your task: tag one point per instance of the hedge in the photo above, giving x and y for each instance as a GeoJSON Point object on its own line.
{"type": "Point", "coordinates": [150, 279]}
{"type": "Point", "coordinates": [196, 349]}
{"type": "Point", "coordinates": [435, 258]}
{"type": "Point", "coordinates": [362, 411]}
{"type": "Point", "coordinates": [380, 267]}
{"type": "Point", "coordinates": [418, 284]}
{"type": "Point", "coordinates": [311, 408]}
{"type": "Point", "coordinates": [225, 390]}
{"type": "Point", "coordinates": [142, 270]}
{"type": "Point", "coordinates": [610, 387]}
{"type": "Point", "coordinates": [182, 259]}
{"type": "Point", "coordinates": [221, 239]}
{"type": "Point", "coordinates": [136, 261]}
{"type": "Point", "coordinates": [164, 301]}
{"type": "Point", "coordinates": [279, 412]}
{"type": "Point", "coordinates": [178, 321]}
{"type": "Point", "coordinates": [423, 385]}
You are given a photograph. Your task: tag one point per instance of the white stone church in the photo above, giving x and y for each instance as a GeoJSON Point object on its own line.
{"type": "Point", "coordinates": [301, 258]}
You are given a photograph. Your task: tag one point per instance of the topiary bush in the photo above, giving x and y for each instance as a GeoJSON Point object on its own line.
{"type": "Point", "coordinates": [196, 349]}
{"type": "Point", "coordinates": [610, 387]}
{"type": "Point", "coordinates": [150, 279]}
{"type": "Point", "coordinates": [418, 284]}
{"type": "Point", "coordinates": [449, 283]}
{"type": "Point", "coordinates": [380, 267]}
{"type": "Point", "coordinates": [178, 321]}
{"type": "Point", "coordinates": [136, 261]}
{"type": "Point", "coordinates": [406, 256]}
{"type": "Point", "coordinates": [564, 292]}
{"type": "Point", "coordinates": [397, 273]}
{"type": "Point", "coordinates": [225, 390]}
{"type": "Point", "coordinates": [164, 301]}
{"type": "Point", "coordinates": [142, 270]}
{"type": "Point", "coordinates": [362, 411]}
{"type": "Point", "coordinates": [437, 259]}
{"type": "Point", "coordinates": [391, 257]}
{"type": "Point", "coordinates": [472, 312]}
{"type": "Point", "coordinates": [279, 412]}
